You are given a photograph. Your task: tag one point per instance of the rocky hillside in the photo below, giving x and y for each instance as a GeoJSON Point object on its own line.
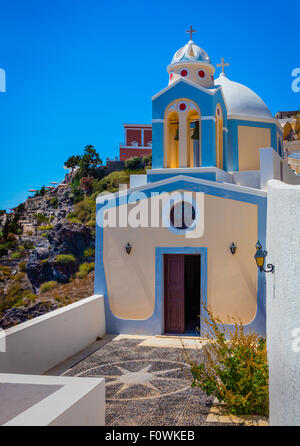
{"type": "Point", "coordinates": [47, 244]}
{"type": "Point", "coordinates": [46, 260]}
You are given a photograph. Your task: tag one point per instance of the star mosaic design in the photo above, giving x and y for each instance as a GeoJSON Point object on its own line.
{"type": "Point", "coordinates": [152, 383]}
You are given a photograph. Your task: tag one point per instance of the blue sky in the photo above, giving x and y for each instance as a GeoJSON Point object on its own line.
{"type": "Point", "coordinates": [77, 69]}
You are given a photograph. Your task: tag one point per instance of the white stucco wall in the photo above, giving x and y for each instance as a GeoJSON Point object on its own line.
{"type": "Point", "coordinates": [78, 401]}
{"type": "Point", "coordinates": [41, 343]}
{"type": "Point", "coordinates": [272, 166]}
{"type": "Point", "coordinates": [283, 302]}
{"type": "Point", "coordinates": [231, 280]}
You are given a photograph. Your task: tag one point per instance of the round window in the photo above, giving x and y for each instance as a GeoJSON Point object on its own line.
{"type": "Point", "coordinates": [201, 73]}
{"type": "Point", "coordinates": [182, 215]}
{"type": "Point", "coordinates": [184, 72]}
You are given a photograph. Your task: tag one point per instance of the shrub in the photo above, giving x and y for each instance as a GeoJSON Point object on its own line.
{"type": "Point", "coordinates": [16, 255]}
{"type": "Point", "coordinates": [41, 218]}
{"type": "Point", "coordinates": [54, 202]}
{"type": "Point", "coordinates": [22, 266]}
{"type": "Point", "coordinates": [110, 183]}
{"type": "Point", "coordinates": [89, 252]}
{"type": "Point", "coordinates": [147, 161]}
{"type": "Point", "coordinates": [65, 259]}
{"type": "Point", "coordinates": [234, 370]}
{"type": "Point", "coordinates": [28, 244]}
{"type": "Point", "coordinates": [3, 249]}
{"type": "Point", "coordinates": [84, 269]}
{"type": "Point", "coordinates": [19, 303]}
{"type": "Point", "coordinates": [45, 228]}
{"type": "Point", "coordinates": [45, 235]}
{"type": "Point", "coordinates": [47, 286]}
{"type": "Point", "coordinates": [15, 293]}
{"type": "Point", "coordinates": [134, 163]}
{"type": "Point", "coordinates": [86, 184]}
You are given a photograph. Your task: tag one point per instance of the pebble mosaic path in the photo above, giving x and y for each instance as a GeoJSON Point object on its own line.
{"type": "Point", "coordinates": [146, 385]}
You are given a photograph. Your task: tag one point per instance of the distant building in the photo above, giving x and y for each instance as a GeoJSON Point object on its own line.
{"type": "Point", "coordinates": [285, 114]}
{"type": "Point", "coordinates": [138, 141]}
{"type": "Point", "coordinates": [290, 122]}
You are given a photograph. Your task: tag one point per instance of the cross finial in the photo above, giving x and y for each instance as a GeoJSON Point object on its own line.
{"type": "Point", "coordinates": [222, 64]}
{"type": "Point", "coordinates": [191, 31]}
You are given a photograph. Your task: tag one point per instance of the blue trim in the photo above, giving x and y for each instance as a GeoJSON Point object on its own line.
{"type": "Point", "coordinates": [153, 325]}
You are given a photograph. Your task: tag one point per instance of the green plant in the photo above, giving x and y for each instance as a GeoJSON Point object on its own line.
{"type": "Point", "coordinates": [28, 244]}
{"type": "Point", "coordinates": [47, 286]}
{"type": "Point", "coordinates": [45, 228]}
{"type": "Point", "coordinates": [54, 202]}
{"type": "Point", "coordinates": [41, 218]}
{"type": "Point", "coordinates": [234, 368]}
{"type": "Point", "coordinates": [89, 252]}
{"type": "Point", "coordinates": [65, 259]}
{"type": "Point", "coordinates": [134, 163]}
{"type": "Point", "coordinates": [16, 255]}
{"type": "Point", "coordinates": [85, 269]}
{"type": "Point", "coordinates": [22, 266]}
{"type": "Point", "coordinates": [44, 261]}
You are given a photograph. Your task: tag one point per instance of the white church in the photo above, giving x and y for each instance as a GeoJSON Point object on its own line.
{"type": "Point", "coordinates": [217, 140]}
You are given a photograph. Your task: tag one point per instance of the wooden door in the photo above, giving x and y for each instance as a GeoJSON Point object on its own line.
{"type": "Point", "coordinates": [174, 292]}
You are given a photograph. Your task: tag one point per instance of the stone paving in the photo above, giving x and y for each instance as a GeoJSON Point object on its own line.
{"type": "Point", "coordinates": [147, 382]}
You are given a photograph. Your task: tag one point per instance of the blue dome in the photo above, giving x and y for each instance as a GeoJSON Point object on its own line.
{"type": "Point", "coordinates": [190, 53]}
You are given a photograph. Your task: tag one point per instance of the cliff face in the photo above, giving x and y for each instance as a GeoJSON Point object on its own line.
{"type": "Point", "coordinates": [38, 246]}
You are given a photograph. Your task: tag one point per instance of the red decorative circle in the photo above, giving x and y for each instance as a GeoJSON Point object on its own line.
{"type": "Point", "coordinates": [182, 106]}
{"type": "Point", "coordinates": [184, 73]}
{"type": "Point", "coordinates": [201, 73]}
{"type": "Point", "coordinates": [171, 76]}
{"type": "Point", "coordinates": [212, 78]}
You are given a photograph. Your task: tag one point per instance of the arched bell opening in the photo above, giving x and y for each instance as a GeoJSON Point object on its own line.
{"type": "Point", "coordinates": [193, 139]}
{"type": "Point", "coordinates": [219, 138]}
{"type": "Point", "coordinates": [172, 140]}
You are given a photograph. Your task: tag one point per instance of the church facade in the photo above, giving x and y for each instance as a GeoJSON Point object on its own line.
{"type": "Point", "coordinates": [206, 197]}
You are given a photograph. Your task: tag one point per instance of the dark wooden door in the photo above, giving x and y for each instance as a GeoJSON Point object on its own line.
{"type": "Point", "coordinates": [174, 293]}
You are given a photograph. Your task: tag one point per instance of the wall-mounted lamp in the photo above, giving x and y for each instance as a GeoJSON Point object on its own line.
{"type": "Point", "coordinates": [232, 248]}
{"type": "Point", "coordinates": [260, 259]}
{"type": "Point", "coordinates": [128, 248]}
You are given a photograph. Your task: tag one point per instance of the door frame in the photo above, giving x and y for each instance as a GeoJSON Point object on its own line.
{"type": "Point", "coordinates": [159, 279]}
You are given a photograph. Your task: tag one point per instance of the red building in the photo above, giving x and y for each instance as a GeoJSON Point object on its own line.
{"type": "Point", "coordinates": [138, 141]}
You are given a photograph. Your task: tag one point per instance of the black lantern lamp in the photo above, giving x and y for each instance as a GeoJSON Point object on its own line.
{"type": "Point", "coordinates": [128, 248]}
{"type": "Point", "coordinates": [232, 248]}
{"type": "Point", "coordinates": [260, 256]}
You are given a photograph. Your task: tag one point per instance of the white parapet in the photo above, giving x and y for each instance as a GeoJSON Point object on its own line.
{"type": "Point", "coordinates": [36, 346]}
{"type": "Point", "coordinates": [283, 302]}
{"type": "Point", "coordinates": [31, 400]}
{"type": "Point", "coordinates": [273, 167]}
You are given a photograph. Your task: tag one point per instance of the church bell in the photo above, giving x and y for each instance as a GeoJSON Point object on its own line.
{"type": "Point", "coordinates": [177, 135]}
{"type": "Point", "coordinates": [195, 134]}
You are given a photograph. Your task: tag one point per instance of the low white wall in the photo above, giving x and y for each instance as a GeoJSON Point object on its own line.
{"type": "Point", "coordinates": [248, 178]}
{"type": "Point", "coordinates": [79, 401]}
{"type": "Point", "coordinates": [38, 345]}
{"type": "Point", "coordinates": [138, 180]}
{"type": "Point", "coordinates": [283, 302]}
{"type": "Point", "coordinates": [272, 166]}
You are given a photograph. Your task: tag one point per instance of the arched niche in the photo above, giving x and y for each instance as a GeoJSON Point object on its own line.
{"type": "Point", "coordinates": [171, 158]}
{"type": "Point", "coordinates": [219, 137]}
{"type": "Point", "coordinates": [193, 138]}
